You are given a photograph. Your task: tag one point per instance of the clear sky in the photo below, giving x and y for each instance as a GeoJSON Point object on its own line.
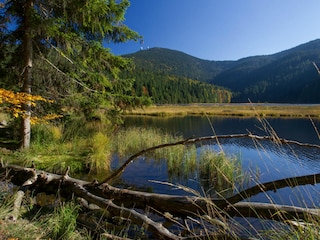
{"type": "Point", "coordinates": [222, 29]}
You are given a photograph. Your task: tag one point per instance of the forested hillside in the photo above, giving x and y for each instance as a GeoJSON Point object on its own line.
{"type": "Point", "coordinates": [170, 77]}
{"type": "Point", "coordinates": [169, 89]}
{"type": "Point", "coordinates": [288, 76]}
{"type": "Point", "coordinates": [285, 77]}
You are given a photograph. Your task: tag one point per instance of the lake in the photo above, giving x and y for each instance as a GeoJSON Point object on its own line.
{"type": "Point", "coordinates": [262, 161]}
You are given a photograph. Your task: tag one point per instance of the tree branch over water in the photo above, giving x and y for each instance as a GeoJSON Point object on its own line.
{"type": "Point", "coordinates": [203, 139]}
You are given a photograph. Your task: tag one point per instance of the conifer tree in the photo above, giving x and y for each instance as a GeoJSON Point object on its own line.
{"type": "Point", "coordinates": [73, 31]}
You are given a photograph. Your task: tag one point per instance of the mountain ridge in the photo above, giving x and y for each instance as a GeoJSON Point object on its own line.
{"type": "Point", "coordinates": [285, 77]}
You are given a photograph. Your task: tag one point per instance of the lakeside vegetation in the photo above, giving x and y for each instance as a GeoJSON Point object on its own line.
{"type": "Point", "coordinates": [55, 147]}
{"type": "Point", "coordinates": [231, 110]}
{"type": "Point", "coordinates": [216, 169]}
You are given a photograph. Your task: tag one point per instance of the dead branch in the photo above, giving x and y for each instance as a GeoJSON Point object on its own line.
{"type": "Point", "coordinates": [272, 211]}
{"type": "Point", "coordinates": [138, 218]}
{"type": "Point", "coordinates": [274, 186]}
{"type": "Point", "coordinates": [18, 196]}
{"type": "Point", "coordinates": [201, 139]}
{"type": "Point", "coordinates": [123, 202]}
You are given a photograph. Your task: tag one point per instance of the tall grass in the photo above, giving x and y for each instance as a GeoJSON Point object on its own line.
{"type": "Point", "coordinates": [100, 155]}
{"type": "Point", "coordinates": [215, 169]}
{"type": "Point", "coordinates": [62, 223]}
{"type": "Point", "coordinates": [132, 140]}
{"type": "Point", "coordinates": [77, 144]}
{"type": "Point", "coordinates": [218, 170]}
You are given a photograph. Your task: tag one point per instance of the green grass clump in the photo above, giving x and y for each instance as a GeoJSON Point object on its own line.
{"type": "Point", "coordinates": [63, 222]}
{"type": "Point", "coordinates": [218, 170]}
{"type": "Point", "coordinates": [100, 156]}
{"type": "Point", "coordinates": [132, 140]}
{"type": "Point", "coordinates": [295, 230]}
{"type": "Point", "coordinates": [60, 224]}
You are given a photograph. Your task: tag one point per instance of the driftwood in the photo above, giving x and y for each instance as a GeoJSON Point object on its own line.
{"type": "Point", "coordinates": [141, 207]}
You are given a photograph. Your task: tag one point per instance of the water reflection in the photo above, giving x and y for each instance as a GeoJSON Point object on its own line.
{"type": "Point", "coordinates": [262, 160]}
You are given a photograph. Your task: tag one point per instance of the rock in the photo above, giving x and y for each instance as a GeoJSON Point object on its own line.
{"type": "Point", "coordinates": [3, 124]}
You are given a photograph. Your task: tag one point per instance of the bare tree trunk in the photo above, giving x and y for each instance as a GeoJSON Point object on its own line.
{"type": "Point", "coordinates": [27, 76]}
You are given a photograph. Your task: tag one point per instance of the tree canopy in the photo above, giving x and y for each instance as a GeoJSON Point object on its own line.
{"type": "Point", "coordinates": [55, 48]}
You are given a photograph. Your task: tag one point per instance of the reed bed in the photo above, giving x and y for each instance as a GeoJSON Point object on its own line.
{"type": "Point", "coordinates": [240, 110]}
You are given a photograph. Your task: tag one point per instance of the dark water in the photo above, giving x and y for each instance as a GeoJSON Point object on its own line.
{"type": "Point", "coordinates": [263, 161]}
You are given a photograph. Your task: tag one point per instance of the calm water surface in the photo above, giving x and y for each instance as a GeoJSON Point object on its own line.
{"type": "Point", "coordinates": [262, 161]}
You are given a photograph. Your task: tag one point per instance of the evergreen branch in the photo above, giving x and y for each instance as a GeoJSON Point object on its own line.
{"type": "Point", "coordinates": [63, 73]}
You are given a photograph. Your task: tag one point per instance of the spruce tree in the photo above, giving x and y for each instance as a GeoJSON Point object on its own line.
{"type": "Point", "coordinates": [73, 31]}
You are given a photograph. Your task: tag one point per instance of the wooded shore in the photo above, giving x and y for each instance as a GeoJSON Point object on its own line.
{"type": "Point", "coordinates": [232, 110]}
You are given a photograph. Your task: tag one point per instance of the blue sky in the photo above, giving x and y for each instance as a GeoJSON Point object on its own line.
{"type": "Point", "coordinates": [222, 29]}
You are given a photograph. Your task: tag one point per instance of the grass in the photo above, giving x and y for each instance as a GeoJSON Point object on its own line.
{"type": "Point", "coordinates": [59, 224]}
{"type": "Point", "coordinates": [216, 170]}
{"type": "Point", "coordinates": [100, 153]}
{"type": "Point", "coordinates": [63, 222]}
{"type": "Point", "coordinates": [219, 171]}
{"type": "Point", "coordinates": [80, 146]}
{"type": "Point", "coordinates": [240, 110]}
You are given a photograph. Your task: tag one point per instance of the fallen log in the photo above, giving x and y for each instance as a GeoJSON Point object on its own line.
{"type": "Point", "coordinates": [126, 202]}
{"type": "Point", "coordinates": [13, 216]}
{"type": "Point", "coordinates": [272, 211]}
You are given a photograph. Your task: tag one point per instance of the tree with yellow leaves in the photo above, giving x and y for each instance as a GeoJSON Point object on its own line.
{"type": "Point", "coordinates": [12, 103]}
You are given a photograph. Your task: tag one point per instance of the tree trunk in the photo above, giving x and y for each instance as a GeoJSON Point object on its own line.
{"type": "Point", "coordinates": [27, 76]}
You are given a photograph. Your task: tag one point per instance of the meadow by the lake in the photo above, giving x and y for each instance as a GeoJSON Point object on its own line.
{"type": "Point", "coordinates": [232, 109]}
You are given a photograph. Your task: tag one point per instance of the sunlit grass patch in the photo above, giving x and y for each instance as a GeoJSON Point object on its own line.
{"type": "Point", "coordinates": [241, 110]}
{"type": "Point", "coordinates": [99, 157]}
{"type": "Point", "coordinates": [129, 141]}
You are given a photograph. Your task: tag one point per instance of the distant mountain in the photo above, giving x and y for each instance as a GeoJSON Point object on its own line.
{"type": "Point", "coordinates": [285, 77]}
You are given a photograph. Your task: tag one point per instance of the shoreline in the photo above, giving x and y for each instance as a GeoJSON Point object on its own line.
{"type": "Point", "coordinates": [231, 110]}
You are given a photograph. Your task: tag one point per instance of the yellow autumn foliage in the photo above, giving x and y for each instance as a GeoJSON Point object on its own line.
{"type": "Point", "coordinates": [16, 101]}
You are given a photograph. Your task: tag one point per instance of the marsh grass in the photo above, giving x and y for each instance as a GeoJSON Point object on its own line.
{"type": "Point", "coordinates": [132, 140]}
{"type": "Point", "coordinates": [219, 171]}
{"type": "Point", "coordinates": [216, 170]}
{"type": "Point", "coordinates": [100, 155]}
{"type": "Point", "coordinates": [232, 110]}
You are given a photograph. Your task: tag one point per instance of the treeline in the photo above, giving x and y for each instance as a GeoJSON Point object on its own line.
{"type": "Point", "coordinates": [165, 89]}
